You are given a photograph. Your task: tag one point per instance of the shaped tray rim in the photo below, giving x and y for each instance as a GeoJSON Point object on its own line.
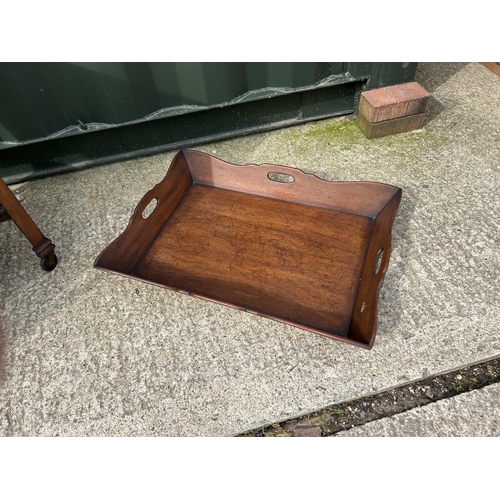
{"type": "Point", "coordinates": [190, 167]}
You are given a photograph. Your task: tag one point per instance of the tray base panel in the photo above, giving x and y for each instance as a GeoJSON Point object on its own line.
{"type": "Point", "coordinates": [292, 262]}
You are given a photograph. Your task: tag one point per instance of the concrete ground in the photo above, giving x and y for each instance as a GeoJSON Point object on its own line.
{"type": "Point", "coordinates": [474, 414]}
{"type": "Point", "coordinates": [88, 353]}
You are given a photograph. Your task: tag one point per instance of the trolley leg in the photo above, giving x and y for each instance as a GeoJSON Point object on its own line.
{"type": "Point", "coordinates": [11, 208]}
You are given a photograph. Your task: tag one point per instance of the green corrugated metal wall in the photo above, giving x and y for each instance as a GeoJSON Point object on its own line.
{"type": "Point", "coordinates": [56, 117]}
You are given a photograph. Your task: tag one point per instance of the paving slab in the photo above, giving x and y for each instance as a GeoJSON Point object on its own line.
{"type": "Point", "coordinates": [88, 353]}
{"type": "Point", "coordinates": [473, 414]}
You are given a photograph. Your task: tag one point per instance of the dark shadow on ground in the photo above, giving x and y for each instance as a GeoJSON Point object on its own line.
{"type": "Point", "coordinates": [431, 76]}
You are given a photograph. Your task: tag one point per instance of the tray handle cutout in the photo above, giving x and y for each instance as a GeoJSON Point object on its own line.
{"type": "Point", "coordinates": [378, 261]}
{"type": "Point", "coordinates": [380, 264]}
{"type": "Point", "coordinates": [382, 261]}
{"type": "Point", "coordinates": [280, 177]}
{"type": "Point", "coordinates": [150, 208]}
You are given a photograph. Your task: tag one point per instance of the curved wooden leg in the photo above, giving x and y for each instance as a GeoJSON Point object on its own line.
{"type": "Point", "coordinates": [11, 208]}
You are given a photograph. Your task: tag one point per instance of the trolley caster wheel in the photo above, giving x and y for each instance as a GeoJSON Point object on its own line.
{"type": "Point", "coordinates": [48, 264]}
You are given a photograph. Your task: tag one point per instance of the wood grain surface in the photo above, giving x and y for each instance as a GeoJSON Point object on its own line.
{"type": "Point", "coordinates": [286, 260]}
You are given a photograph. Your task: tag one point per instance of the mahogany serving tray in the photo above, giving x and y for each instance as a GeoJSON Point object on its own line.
{"type": "Point", "coordinates": [307, 252]}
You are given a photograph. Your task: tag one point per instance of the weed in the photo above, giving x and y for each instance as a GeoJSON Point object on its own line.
{"type": "Point", "coordinates": [338, 411]}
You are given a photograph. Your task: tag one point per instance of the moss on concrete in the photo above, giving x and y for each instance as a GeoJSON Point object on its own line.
{"type": "Point", "coordinates": [345, 135]}
{"type": "Point", "coordinates": [344, 129]}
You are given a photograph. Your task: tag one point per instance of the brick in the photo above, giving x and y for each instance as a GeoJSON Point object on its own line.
{"type": "Point", "coordinates": [389, 127]}
{"type": "Point", "coordinates": [388, 103]}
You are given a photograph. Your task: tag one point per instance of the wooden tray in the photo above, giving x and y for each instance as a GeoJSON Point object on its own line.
{"type": "Point", "coordinates": [307, 252]}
